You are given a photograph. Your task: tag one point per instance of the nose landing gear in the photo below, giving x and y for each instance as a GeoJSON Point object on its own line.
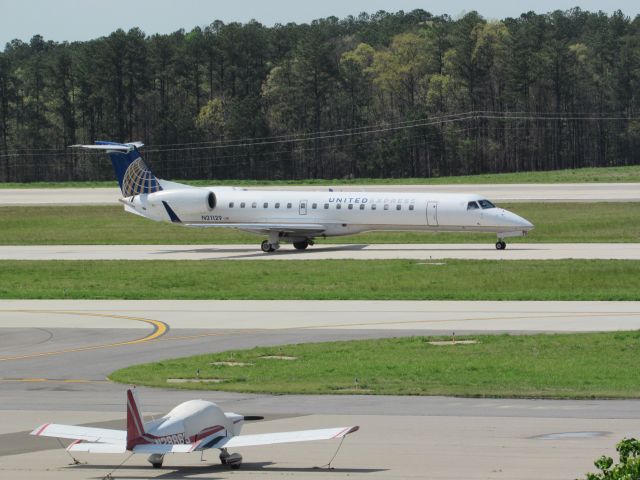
{"type": "Point", "coordinates": [501, 245]}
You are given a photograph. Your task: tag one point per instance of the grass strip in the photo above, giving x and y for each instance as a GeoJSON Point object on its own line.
{"type": "Point", "coordinates": [110, 225]}
{"type": "Point", "coordinates": [625, 174]}
{"type": "Point", "coordinates": [596, 365]}
{"type": "Point", "coordinates": [326, 280]}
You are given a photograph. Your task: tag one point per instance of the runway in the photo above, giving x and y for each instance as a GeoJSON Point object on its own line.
{"type": "Point", "coordinates": [526, 192]}
{"type": "Point", "coordinates": [422, 252]}
{"type": "Point", "coordinates": [54, 356]}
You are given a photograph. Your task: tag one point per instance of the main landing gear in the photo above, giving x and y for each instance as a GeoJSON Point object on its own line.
{"type": "Point", "coordinates": [303, 245]}
{"type": "Point", "coordinates": [269, 247]}
{"type": "Point", "coordinates": [501, 245]}
{"type": "Point", "coordinates": [156, 459]}
{"type": "Point", "coordinates": [273, 244]}
{"type": "Point", "coordinates": [234, 460]}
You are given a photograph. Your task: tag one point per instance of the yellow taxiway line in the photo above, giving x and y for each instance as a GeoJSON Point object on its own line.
{"type": "Point", "coordinates": [159, 329]}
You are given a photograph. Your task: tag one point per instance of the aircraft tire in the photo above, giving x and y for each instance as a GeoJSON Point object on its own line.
{"type": "Point", "coordinates": [301, 245]}
{"type": "Point", "coordinates": [501, 245]}
{"type": "Point", "coordinates": [266, 246]}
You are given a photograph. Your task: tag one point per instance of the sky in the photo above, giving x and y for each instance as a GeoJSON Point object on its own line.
{"type": "Point", "coordinates": [71, 20]}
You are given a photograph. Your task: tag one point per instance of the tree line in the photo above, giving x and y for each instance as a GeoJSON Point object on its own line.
{"type": "Point", "coordinates": [404, 94]}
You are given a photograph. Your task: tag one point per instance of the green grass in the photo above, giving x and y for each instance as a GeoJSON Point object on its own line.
{"type": "Point", "coordinates": [326, 280]}
{"type": "Point", "coordinates": [580, 175]}
{"type": "Point", "coordinates": [601, 365]}
{"type": "Point", "coordinates": [555, 223]}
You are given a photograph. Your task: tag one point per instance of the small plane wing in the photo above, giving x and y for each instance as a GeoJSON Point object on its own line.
{"type": "Point", "coordinates": [92, 447]}
{"type": "Point", "coordinates": [88, 434]}
{"type": "Point", "coordinates": [283, 437]}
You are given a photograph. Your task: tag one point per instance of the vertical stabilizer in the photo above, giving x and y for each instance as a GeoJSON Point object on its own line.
{"type": "Point", "coordinates": [134, 177]}
{"type": "Point", "coordinates": [135, 424]}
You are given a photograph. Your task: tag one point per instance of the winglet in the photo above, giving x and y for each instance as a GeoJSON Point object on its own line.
{"type": "Point", "coordinates": [135, 425]}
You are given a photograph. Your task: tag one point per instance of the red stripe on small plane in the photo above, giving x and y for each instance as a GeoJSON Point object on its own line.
{"type": "Point", "coordinates": [39, 432]}
{"type": "Point", "coordinates": [75, 442]}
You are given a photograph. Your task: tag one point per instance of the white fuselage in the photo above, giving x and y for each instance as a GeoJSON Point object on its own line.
{"type": "Point", "coordinates": [340, 213]}
{"type": "Point", "coordinates": [192, 421]}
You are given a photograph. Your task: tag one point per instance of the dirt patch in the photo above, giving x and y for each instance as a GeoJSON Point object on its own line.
{"type": "Point", "coordinates": [195, 380]}
{"type": "Point", "coordinates": [279, 357]}
{"type": "Point", "coordinates": [232, 364]}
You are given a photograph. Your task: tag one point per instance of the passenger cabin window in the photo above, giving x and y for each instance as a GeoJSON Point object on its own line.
{"type": "Point", "coordinates": [351, 206]}
{"type": "Point", "coordinates": [410, 207]}
{"type": "Point", "coordinates": [373, 206]}
{"type": "Point", "coordinates": [303, 205]}
{"type": "Point", "coordinates": [254, 205]}
{"type": "Point", "coordinates": [486, 204]}
{"type": "Point", "coordinates": [326, 206]}
{"type": "Point", "coordinates": [278, 205]}
{"type": "Point", "coordinates": [472, 206]}
{"type": "Point", "coordinates": [230, 204]}
{"type": "Point", "coordinates": [398, 207]}
{"type": "Point", "coordinates": [242, 205]}
{"type": "Point", "coordinates": [314, 205]}
{"type": "Point", "coordinates": [265, 205]}
{"type": "Point", "coordinates": [362, 206]}
{"type": "Point", "coordinates": [288, 205]}
{"type": "Point", "coordinates": [386, 206]}
{"type": "Point", "coordinates": [338, 206]}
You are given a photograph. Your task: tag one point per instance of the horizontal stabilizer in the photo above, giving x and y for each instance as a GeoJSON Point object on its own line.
{"type": "Point", "coordinates": [88, 434]}
{"type": "Point", "coordinates": [111, 146]}
{"type": "Point", "coordinates": [285, 437]}
{"type": "Point", "coordinates": [91, 447]}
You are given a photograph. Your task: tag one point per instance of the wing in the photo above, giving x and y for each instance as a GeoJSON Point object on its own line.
{"type": "Point", "coordinates": [295, 228]}
{"type": "Point", "coordinates": [283, 437]}
{"type": "Point", "coordinates": [88, 434]}
{"type": "Point", "coordinates": [92, 447]}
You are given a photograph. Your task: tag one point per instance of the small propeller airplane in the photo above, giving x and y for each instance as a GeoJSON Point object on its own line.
{"type": "Point", "coordinates": [299, 217]}
{"type": "Point", "coordinates": [192, 426]}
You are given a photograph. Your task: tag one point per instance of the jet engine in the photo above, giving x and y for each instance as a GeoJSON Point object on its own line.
{"type": "Point", "coordinates": [184, 201]}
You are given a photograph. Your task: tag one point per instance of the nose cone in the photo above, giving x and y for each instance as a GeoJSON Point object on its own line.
{"type": "Point", "coordinates": [517, 221]}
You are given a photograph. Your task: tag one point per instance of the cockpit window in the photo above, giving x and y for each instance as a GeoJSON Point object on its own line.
{"type": "Point", "coordinates": [486, 204]}
{"type": "Point", "coordinates": [472, 206]}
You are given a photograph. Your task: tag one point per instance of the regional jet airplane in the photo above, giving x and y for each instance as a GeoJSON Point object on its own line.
{"type": "Point", "coordinates": [300, 217]}
{"type": "Point", "coordinates": [192, 426]}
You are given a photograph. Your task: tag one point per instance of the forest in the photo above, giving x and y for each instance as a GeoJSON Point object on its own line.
{"type": "Point", "coordinates": [384, 95]}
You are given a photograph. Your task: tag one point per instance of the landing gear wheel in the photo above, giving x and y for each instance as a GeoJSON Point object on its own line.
{"type": "Point", "coordinates": [301, 245]}
{"type": "Point", "coordinates": [156, 459]}
{"type": "Point", "coordinates": [233, 460]}
{"type": "Point", "coordinates": [266, 246]}
{"type": "Point", "coordinates": [501, 245]}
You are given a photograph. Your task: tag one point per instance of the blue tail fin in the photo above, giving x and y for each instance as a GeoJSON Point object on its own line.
{"type": "Point", "coordinates": [134, 176]}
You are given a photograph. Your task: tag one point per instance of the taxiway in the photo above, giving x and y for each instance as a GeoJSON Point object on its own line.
{"type": "Point", "coordinates": [526, 192]}
{"type": "Point", "coordinates": [423, 252]}
{"type": "Point", "coordinates": [55, 354]}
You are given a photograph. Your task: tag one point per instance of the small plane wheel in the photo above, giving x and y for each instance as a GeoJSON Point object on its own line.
{"type": "Point", "coordinates": [501, 245]}
{"type": "Point", "coordinates": [301, 245]}
{"type": "Point", "coordinates": [266, 246]}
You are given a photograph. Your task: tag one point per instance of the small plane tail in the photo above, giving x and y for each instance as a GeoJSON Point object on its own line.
{"type": "Point", "coordinates": [134, 176]}
{"type": "Point", "coordinates": [135, 423]}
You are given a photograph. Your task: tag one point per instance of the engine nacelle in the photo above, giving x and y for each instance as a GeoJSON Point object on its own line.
{"type": "Point", "coordinates": [185, 202]}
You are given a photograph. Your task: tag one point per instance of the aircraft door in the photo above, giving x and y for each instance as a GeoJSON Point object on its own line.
{"type": "Point", "coordinates": [432, 214]}
{"type": "Point", "coordinates": [303, 207]}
